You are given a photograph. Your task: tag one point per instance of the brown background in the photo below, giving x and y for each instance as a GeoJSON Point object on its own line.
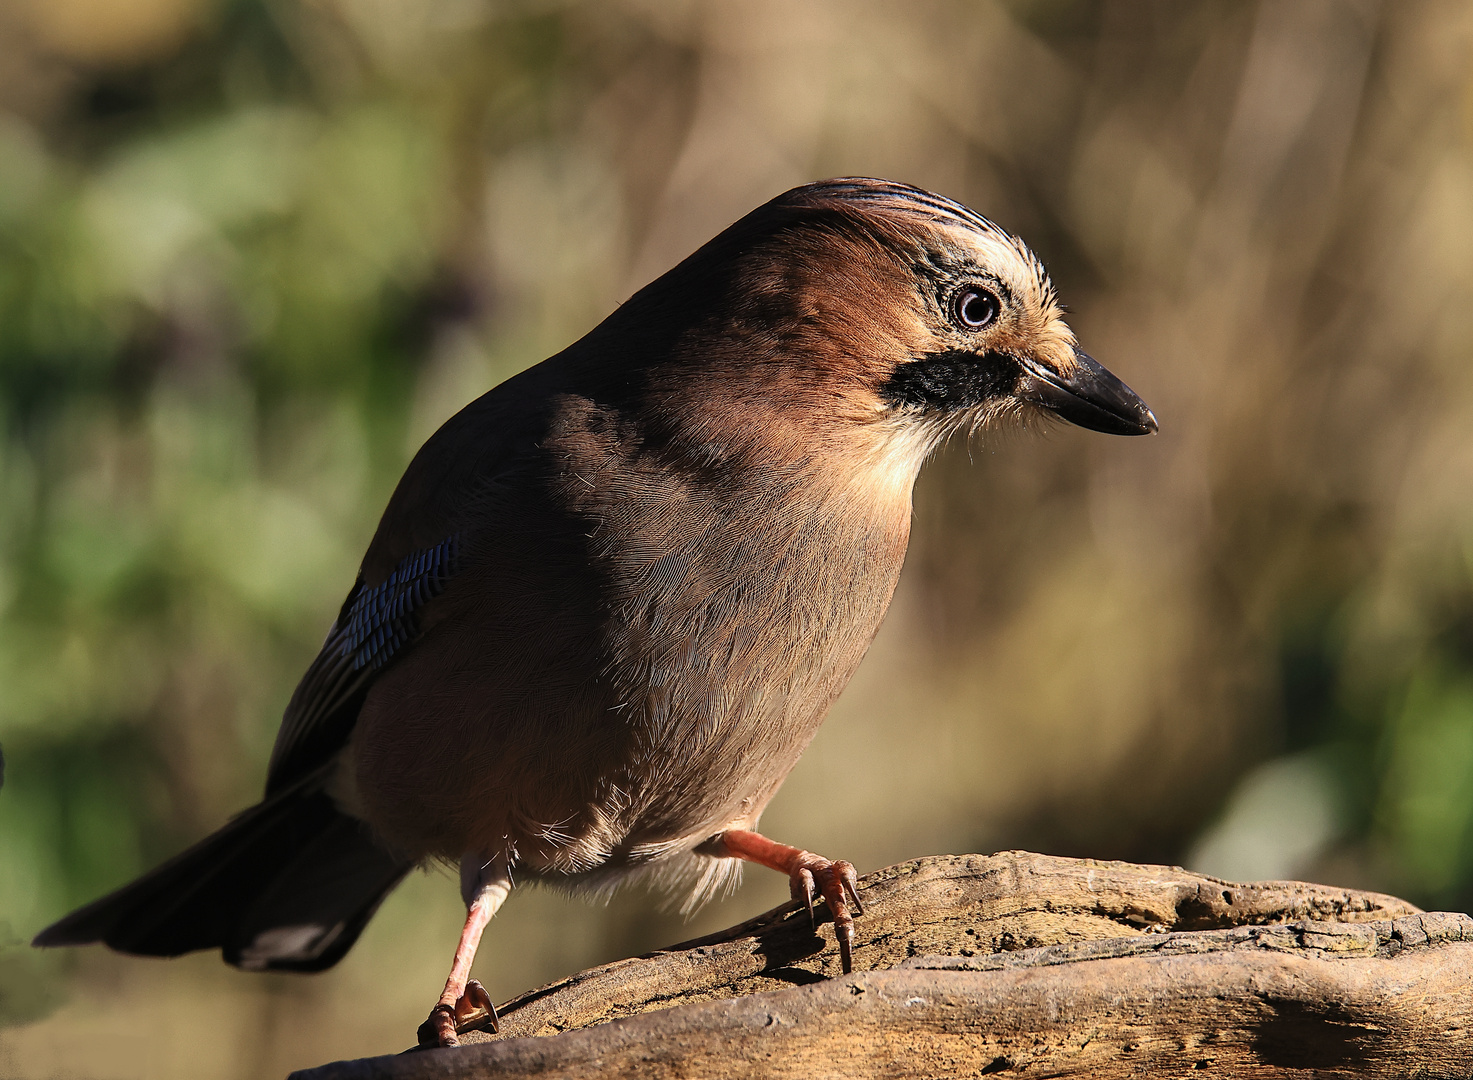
{"type": "Point", "coordinates": [252, 252]}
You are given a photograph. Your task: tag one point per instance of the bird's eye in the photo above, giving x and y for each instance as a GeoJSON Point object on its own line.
{"type": "Point", "coordinates": [974, 308]}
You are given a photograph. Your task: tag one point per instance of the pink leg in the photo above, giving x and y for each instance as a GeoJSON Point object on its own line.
{"type": "Point", "coordinates": [807, 873]}
{"type": "Point", "coordinates": [465, 1000]}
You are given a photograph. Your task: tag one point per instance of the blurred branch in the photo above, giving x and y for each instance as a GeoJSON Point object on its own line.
{"type": "Point", "coordinates": [1015, 962]}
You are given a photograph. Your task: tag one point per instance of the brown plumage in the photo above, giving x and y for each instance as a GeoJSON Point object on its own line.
{"type": "Point", "coordinates": [612, 600]}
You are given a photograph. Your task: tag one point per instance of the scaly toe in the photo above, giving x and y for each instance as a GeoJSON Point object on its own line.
{"type": "Point", "coordinates": [833, 894]}
{"type": "Point", "coordinates": [439, 1029]}
{"type": "Point", "coordinates": [838, 885]}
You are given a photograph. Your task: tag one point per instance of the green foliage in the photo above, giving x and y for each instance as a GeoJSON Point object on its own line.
{"type": "Point", "coordinates": [205, 356]}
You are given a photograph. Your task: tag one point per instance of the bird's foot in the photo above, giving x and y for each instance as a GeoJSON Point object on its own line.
{"type": "Point", "coordinates": [448, 1020]}
{"type": "Point", "coordinates": [465, 1003]}
{"type": "Point", "coordinates": [838, 885]}
{"type": "Point", "coordinates": [810, 875]}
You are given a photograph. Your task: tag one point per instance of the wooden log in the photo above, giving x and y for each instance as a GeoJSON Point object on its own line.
{"type": "Point", "coordinates": [1013, 964]}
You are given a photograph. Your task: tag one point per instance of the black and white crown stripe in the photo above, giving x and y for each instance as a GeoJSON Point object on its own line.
{"type": "Point", "coordinates": [933, 206]}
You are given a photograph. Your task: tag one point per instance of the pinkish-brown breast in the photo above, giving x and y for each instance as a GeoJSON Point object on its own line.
{"type": "Point", "coordinates": [654, 642]}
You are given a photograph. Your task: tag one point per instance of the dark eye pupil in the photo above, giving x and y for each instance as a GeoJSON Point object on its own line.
{"type": "Point", "coordinates": [976, 308]}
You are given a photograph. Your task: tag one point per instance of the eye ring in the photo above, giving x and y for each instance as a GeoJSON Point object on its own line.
{"type": "Point", "coordinates": [974, 308]}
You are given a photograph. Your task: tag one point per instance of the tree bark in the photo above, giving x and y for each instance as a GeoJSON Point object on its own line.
{"type": "Point", "coordinates": [1019, 965]}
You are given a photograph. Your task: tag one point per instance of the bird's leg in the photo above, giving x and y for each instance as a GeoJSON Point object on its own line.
{"type": "Point", "coordinates": [809, 875]}
{"type": "Point", "coordinates": [465, 1001]}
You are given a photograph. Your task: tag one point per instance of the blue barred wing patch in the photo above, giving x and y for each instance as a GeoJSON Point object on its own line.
{"type": "Point", "coordinates": [382, 620]}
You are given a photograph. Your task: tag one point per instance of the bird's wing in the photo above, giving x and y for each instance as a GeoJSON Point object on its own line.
{"type": "Point", "coordinates": [419, 547]}
{"type": "Point", "coordinates": [374, 626]}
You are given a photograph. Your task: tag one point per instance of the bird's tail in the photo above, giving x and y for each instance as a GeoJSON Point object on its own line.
{"type": "Point", "coordinates": [287, 885]}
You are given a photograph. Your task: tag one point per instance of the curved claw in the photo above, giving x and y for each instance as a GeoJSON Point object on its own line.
{"type": "Point", "coordinates": [802, 887]}
{"type": "Point", "coordinates": [475, 1008]}
{"type": "Point", "coordinates": [446, 1022]}
{"type": "Point", "coordinates": [851, 887]}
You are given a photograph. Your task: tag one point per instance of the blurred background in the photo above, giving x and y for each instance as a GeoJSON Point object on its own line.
{"type": "Point", "coordinates": [253, 252]}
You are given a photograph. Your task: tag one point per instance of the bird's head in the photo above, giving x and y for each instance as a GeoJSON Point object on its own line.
{"type": "Point", "coordinates": [945, 317]}
{"type": "Point", "coordinates": [861, 305]}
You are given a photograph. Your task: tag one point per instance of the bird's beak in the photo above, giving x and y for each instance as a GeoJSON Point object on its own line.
{"type": "Point", "coordinates": [1088, 396]}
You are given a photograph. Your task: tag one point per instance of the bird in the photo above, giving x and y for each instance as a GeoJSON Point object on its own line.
{"type": "Point", "coordinates": [611, 601]}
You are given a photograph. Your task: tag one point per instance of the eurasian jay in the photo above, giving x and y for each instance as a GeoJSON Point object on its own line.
{"type": "Point", "coordinates": [611, 600]}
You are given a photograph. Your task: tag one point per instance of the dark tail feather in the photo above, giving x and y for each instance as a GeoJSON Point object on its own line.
{"type": "Point", "coordinates": [287, 885]}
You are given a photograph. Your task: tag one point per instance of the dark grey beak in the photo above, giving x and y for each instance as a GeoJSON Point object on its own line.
{"type": "Point", "coordinates": [1091, 397]}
